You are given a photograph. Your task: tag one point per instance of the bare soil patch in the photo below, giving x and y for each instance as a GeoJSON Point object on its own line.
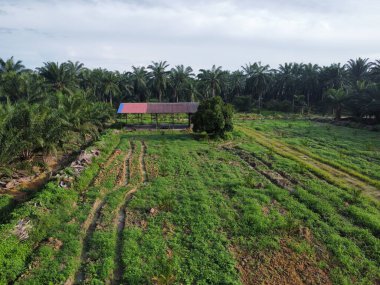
{"type": "Point", "coordinates": [284, 266]}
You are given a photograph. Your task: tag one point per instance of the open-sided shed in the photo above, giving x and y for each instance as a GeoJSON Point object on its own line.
{"type": "Point", "coordinates": [159, 108]}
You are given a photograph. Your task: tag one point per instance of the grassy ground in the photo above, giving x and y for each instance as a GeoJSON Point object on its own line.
{"type": "Point", "coordinates": [174, 208]}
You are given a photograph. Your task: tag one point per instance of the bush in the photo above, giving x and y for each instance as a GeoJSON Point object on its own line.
{"type": "Point", "coordinates": [214, 117]}
{"type": "Point", "coordinates": [242, 103]}
{"type": "Point", "coordinates": [276, 105]}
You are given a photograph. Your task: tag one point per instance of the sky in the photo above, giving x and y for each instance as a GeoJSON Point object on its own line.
{"type": "Point", "coordinates": [116, 34]}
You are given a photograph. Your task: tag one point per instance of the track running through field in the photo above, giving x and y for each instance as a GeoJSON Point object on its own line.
{"type": "Point", "coordinates": [121, 217]}
{"type": "Point", "coordinates": [329, 171]}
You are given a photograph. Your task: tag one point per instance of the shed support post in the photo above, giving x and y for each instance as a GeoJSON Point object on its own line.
{"type": "Point", "coordinates": [189, 118]}
{"type": "Point", "coordinates": [156, 121]}
{"type": "Point", "coordinates": [126, 119]}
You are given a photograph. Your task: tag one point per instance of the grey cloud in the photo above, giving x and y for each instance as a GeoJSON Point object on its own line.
{"type": "Point", "coordinates": [4, 30]}
{"type": "Point", "coordinates": [118, 33]}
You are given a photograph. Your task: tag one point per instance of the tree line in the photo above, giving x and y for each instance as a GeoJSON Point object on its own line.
{"type": "Point", "coordinates": [60, 103]}
{"type": "Point", "coordinates": [292, 86]}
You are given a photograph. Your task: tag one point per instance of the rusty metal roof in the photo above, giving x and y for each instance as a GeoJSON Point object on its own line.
{"type": "Point", "coordinates": [158, 108]}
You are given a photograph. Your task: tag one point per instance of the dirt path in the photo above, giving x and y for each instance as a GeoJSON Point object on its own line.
{"type": "Point", "coordinates": [89, 225]}
{"type": "Point", "coordinates": [121, 217]}
{"type": "Point", "coordinates": [331, 174]}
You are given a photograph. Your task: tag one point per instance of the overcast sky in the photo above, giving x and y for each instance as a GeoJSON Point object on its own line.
{"type": "Point", "coordinates": [116, 34]}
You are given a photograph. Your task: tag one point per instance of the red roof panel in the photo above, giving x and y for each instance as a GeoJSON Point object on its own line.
{"type": "Point", "coordinates": [158, 108]}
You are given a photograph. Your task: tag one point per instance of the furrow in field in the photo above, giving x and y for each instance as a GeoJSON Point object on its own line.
{"type": "Point", "coordinates": [121, 217]}
{"type": "Point", "coordinates": [144, 176]}
{"type": "Point", "coordinates": [32, 265]}
{"type": "Point", "coordinates": [89, 226]}
{"type": "Point", "coordinates": [274, 176]}
{"type": "Point", "coordinates": [278, 179]}
{"type": "Point", "coordinates": [323, 170]}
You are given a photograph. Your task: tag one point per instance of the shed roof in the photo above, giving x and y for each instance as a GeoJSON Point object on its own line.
{"type": "Point", "coordinates": [158, 108]}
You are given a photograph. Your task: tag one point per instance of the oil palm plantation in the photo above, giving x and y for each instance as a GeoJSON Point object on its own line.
{"type": "Point", "coordinates": [358, 70]}
{"type": "Point", "coordinates": [258, 80]}
{"type": "Point", "coordinates": [159, 78]}
{"type": "Point", "coordinates": [58, 77]}
{"type": "Point", "coordinates": [211, 79]}
{"type": "Point", "coordinates": [140, 77]}
{"type": "Point", "coordinates": [337, 97]}
{"type": "Point", "coordinates": [110, 82]}
{"type": "Point", "coordinates": [10, 65]}
{"type": "Point", "coordinates": [310, 80]}
{"type": "Point", "coordinates": [179, 78]}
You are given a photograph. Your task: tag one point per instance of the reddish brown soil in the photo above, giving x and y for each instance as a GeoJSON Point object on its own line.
{"type": "Point", "coordinates": [284, 267]}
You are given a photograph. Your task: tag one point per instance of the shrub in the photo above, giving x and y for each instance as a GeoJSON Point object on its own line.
{"type": "Point", "coordinates": [276, 105]}
{"type": "Point", "coordinates": [214, 117]}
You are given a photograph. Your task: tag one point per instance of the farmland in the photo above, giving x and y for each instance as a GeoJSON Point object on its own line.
{"type": "Point", "coordinates": [279, 202]}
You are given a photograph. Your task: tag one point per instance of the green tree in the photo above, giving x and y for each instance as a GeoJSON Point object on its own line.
{"type": "Point", "coordinates": [59, 77]}
{"type": "Point", "coordinates": [214, 117]}
{"type": "Point", "coordinates": [159, 77]}
{"type": "Point", "coordinates": [310, 80]}
{"type": "Point", "coordinates": [139, 77]}
{"type": "Point", "coordinates": [258, 79]}
{"type": "Point", "coordinates": [110, 83]}
{"type": "Point", "coordinates": [10, 65]}
{"type": "Point", "coordinates": [211, 79]}
{"type": "Point", "coordinates": [337, 97]}
{"type": "Point", "coordinates": [358, 70]}
{"type": "Point", "coordinates": [179, 78]}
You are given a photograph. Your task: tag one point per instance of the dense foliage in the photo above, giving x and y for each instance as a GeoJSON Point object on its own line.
{"type": "Point", "coordinates": [214, 117]}
{"type": "Point", "coordinates": [290, 87]}
{"type": "Point", "coordinates": [44, 112]}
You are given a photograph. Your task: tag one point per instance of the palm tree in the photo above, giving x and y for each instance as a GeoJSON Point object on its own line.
{"type": "Point", "coordinates": [159, 77]}
{"type": "Point", "coordinates": [110, 85]}
{"type": "Point", "coordinates": [179, 78]}
{"type": "Point", "coordinates": [288, 78]}
{"type": "Point", "coordinates": [11, 80]}
{"type": "Point", "coordinates": [258, 79]}
{"type": "Point", "coordinates": [211, 78]}
{"type": "Point", "coordinates": [310, 79]}
{"type": "Point", "coordinates": [140, 83]}
{"type": "Point", "coordinates": [58, 76]}
{"type": "Point", "coordinates": [337, 98]}
{"type": "Point", "coordinates": [358, 70]}
{"type": "Point", "coordinates": [375, 71]}
{"type": "Point", "coordinates": [237, 83]}
{"type": "Point", "coordinates": [11, 66]}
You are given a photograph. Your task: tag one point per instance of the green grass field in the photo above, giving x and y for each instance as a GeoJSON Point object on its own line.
{"type": "Point", "coordinates": [280, 202]}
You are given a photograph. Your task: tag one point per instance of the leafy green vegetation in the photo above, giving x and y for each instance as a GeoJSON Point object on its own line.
{"type": "Point", "coordinates": [214, 117]}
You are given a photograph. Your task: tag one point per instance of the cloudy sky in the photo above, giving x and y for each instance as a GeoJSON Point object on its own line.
{"type": "Point", "coordinates": [116, 34]}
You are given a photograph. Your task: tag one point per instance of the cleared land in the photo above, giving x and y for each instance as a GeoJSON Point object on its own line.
{"type": "Point", "coordinates": [282, 202]}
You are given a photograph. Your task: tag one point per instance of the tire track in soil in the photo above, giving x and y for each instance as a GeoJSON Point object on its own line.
{"type": "Point", "coordinates": [95, 181]}
{"type": "Point", "coordinates": [290, 153]}
{"type": "Point", "coordinates": [90, 223]}
{"type": "Point", "coordinates": [253, 163]}
{"type": "Point", "coordinates": [278, 179]}
{"type": "Point", "coordinates": [121, 217]}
